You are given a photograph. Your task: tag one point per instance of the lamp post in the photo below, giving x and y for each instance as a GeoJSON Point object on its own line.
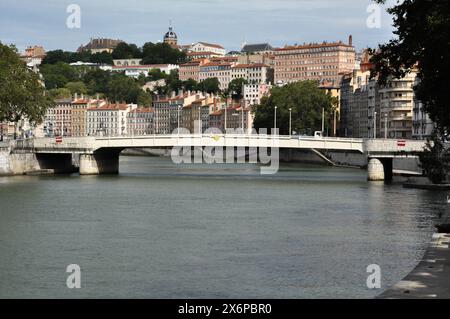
{"type": "Point", "coordinates": [226, 107]}
{"type": "Point", "coordinates": [200, 120]}
{"type": "Point", "coordinates": [290, 121]}
{"type": "Point", "coordinates": [385, 125]}
{"type": "Point", "coordinates": [275, 121]}
{"type": "Point", "coordinates": [242, 119]}
{"type": "Point", "coordinates": [178, 118]}
{"type": "Point", "coordinates": [323, 121]}
{"type": "Point", "coordinates": [374, 125]}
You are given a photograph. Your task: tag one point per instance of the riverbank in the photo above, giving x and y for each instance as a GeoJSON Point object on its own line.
{"type": "Point", "coordinates": [431, 278]}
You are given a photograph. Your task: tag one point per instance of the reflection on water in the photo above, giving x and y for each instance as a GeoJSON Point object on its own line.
{"type": "Point", "coordinates": [163, 231]}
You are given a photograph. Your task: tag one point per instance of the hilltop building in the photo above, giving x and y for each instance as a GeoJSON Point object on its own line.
{"type": "Point", "coordinates": [100, 45]}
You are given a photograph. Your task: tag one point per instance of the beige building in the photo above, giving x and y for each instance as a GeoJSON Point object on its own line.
{"type": "Point", "coordinates": [253, 93]}
{"type": "Point", "coordinates": [100, 45]}
{"type": "Point", "coordinates": [254, 73]}
{"type": "Point", "coordinates": [107, 120]}
{"type": "Point", "coordinates": [191, 70]}
{"type": "Point", "coordinates": [140, 122]}
{"type": "Point", "coordinates": [397, 104]}
{"type": "Point", "coordinates": [319, 62]}
{"type": "Point", "coordinates": [221, 71]}
{"type": "Point", "coordinates": [354, 103]}
{"type": "Point", "coordinates": [208, 47]}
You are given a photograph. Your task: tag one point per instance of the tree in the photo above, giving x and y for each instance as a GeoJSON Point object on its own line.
{"type": "Point", "coordinates": [210, 85]}
{"type": "Point", "coordinates": [190, 85]}
{"type": "Point", "coordinates": [236, 86]}
{"type": "Point", "coordinates": [59, 93]}
{"type": "Point", "coordinates": [102, 58]}
{"type": "Point", "coordinates": [423, 42]}
{"type": "Point", "coordinates": [123, 89]}
{"type": "Point", "coordinates": [144, 99]}
{"type": "Point", "coordinates": [22, 94]}
{"type": "Point", "coordinates": [161, 53]}
{"type": "Point", "coordinates": [76, 87]}
{"type": "Point", "coordinates": [97, 81]}
{"type": "Point", "coordinates": [435, 160]}
{"type": "Point", "coordinates": [306, 102]}
{"type": "Point", "coordinates": [126, 51]}
{"type": "Point", "coordinates": [58, 75]}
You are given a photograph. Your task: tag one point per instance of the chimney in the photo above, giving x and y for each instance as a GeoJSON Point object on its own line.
{"type": "Point", "coordinates": [76, 96]}
{"type": "Point", "coordinates": [350, 40]}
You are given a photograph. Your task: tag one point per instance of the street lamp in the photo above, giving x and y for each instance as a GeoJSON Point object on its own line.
{"type": "Point", "coordinates": [275, 120]}
{"type": "Point", "coordinates": [290, 121]}
{"type": "Point", "coordinates": [242, 118]}
{"type": "Point", "coordinates": [385, 125]}
{"type": "Point", "coordinates": [178, 115]}
{"type": "Point", "coordinates": [200, 124]}
{"type": "Point", "coordinates": [375, 125]}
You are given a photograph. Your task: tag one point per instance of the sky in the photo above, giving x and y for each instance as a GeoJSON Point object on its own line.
{"type": "Point", "coordinates": [226, 22]}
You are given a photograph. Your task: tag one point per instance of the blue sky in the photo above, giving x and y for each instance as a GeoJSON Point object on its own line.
{"type": "Point", "coordinates": [227, 22]}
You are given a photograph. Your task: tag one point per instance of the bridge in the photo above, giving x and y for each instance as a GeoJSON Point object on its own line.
{"type": "Point", "coordinates": [100, 155]}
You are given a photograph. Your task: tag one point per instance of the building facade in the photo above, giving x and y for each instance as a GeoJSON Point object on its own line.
{"type": "Point", "coordinates": [317, 62]}
{"type": "Point", "coordinates": [254, 73]}
{"type": "Point", "coordinates": [397, 104]}
{"type": "Point", "coordinates": [221, 71]}
{"type": "Point", "coordinates": [100, 45]}
{"type": "Point", "coordinates": [140, 122]}
{"type": "Point", "coordinates": [253, 93]}
{"type": "Point", "coordinates": [107, 120]}
{"type": "Point", "coordinates": [208, 47]}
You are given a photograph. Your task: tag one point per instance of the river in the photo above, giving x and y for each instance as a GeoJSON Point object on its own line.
{"type": "Point", "coordinates": [158, 230]}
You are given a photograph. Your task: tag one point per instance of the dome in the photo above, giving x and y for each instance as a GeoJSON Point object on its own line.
{"type": "Point", "coordinates": [170, 35]}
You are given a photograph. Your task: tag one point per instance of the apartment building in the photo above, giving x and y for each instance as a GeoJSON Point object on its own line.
{"type": "Point", "coordinates": [140, 122]}
{"type": "Point", "coordinates": [397, 104]}
{"type": "Point", "coordinates": [208, 47]}
{"type": "Point", "coordinates": [219, 70]}
{"type": "Point", "coordinates": [191, 70]}
{"type": "Point", "coordinates": [254, 73]}
{"type": "Point", "coordinates": [355, 104]}
{"type": "Point", "coordinates": [107, 120]}
{"type": "Point", "coordinates": [167, 111]}
{"type": "Point", "coordinates": [253, 93]}
{"type": "Point", "coordinates": [319, 62]}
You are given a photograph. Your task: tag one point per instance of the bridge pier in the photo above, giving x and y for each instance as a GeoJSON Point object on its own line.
{"type": "Point", "coordinates": [380, 169]}
{"type": "Point", "coordinates": [99, 163]}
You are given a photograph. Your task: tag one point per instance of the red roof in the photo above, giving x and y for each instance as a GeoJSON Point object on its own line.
{"type": "Point", "coordinates": [314, 45]}
{"type": "Point", "coordinates": [110, 107]}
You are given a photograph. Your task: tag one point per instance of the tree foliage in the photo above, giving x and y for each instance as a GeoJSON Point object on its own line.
{"type": "Point", "coordinates": [126, 51]}
{"type": "Point", "coordinates": [57, 56]}
{"type": "Point", "coordinates": [161, 53]}
{"type": "Point", "coordinates": [22, 94]}
{"type": "Point", "coordinates": [235, 87]}
{"type": "Point", "coordinates": [435, 160]}
{"type": "Point", "coordinates": [123, 89]}
{"type": "Point", "coordinates": [76, 87]}
{"type": "Point", "coordinates": [210, 85]}
{"type": "Point", "coordinates": [422, 41]}
{"type": "Point", "coordinates": [306, 102]}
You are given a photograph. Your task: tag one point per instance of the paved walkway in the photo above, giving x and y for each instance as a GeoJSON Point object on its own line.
{"type": "Point", "coordinates": [431, 278]}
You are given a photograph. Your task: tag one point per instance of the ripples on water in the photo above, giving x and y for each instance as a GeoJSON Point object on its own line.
{"type": "Point", "coordinates": [163, 231]}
